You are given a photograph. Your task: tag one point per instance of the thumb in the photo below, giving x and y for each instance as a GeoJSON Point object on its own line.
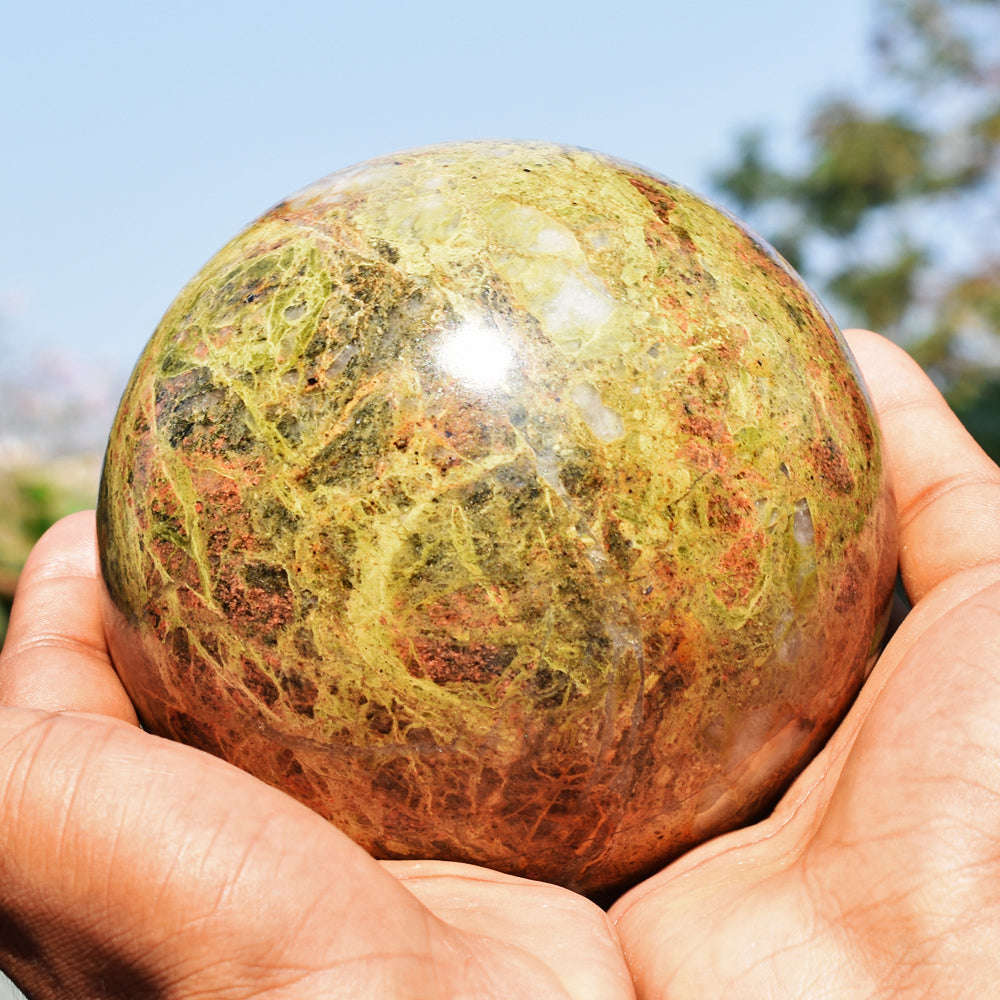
{"type": "Point", "coordinates": [947, 489]}
{"type": "Point", "coordinates": [55, 656]}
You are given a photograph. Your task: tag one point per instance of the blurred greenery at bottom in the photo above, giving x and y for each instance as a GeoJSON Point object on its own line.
{"type": "Point", "coordinates": [33, 496]}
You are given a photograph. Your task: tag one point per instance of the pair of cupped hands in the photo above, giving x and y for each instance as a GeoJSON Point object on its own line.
{"type": "Point", "coordinates": [137, 868]}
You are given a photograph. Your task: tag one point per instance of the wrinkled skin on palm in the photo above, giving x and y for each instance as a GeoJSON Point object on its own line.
{"type": "Point", "coordinates": [505, 504]}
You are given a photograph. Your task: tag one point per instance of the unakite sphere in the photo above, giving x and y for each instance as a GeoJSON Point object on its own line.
{"type": "Point", "coordinates": [504, 503]}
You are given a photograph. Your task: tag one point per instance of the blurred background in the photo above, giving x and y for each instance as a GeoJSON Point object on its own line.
{"type": "Point", "coordinates": [862, 138]}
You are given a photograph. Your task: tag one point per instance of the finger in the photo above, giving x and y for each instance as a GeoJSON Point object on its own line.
{"type": "Point", "coordinates": [519, 915]}
{"type": "Point", "coordinates": [947, 489]}
{"type": "Point", "coordinates": [55, 656]}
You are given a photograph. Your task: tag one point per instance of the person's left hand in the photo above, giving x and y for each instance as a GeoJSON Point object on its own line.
{"type": "Point", "coordinates": [133, 867]}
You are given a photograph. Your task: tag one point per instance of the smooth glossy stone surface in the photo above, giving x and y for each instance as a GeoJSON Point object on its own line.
{"type": "Point", "coordinates": [504, 503]}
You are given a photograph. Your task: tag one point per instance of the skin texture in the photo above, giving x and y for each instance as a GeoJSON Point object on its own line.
{"type": "Point", "coordinates": [504, 504]}
{"type": "Point", "coordinates": [133, 867]}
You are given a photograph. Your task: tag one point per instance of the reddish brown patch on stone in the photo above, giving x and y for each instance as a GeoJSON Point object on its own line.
{"type": "Point", "coordinates": [155, 623]}
{"type": "Point", "coordinates": [168, 539]}
{"type": "Point", "coordinates": [192, 668]}
{"type": "Point", "coordinates": [187, 729]}
{"type": "Point", "coordinates": [705, 409]}
{"type": "Point", "coordinates": [467, 432]}
{"type": "Point", "coordinates": [258, 683]}
{"type": "Point", "coordinates": [444, 661]}
{"type": "Point", "coordinates": [247, 706]}
{"type": "Point", "coordinates": [856, 582]}
{"type": "Point", "coordinates": [466, 610]}
{"type": "Point", "coordinates": [762, 258]}
{"type": "Point", "coordinates": [263, 247]}
{"type": "Point", "coordinates": [661, 202]}
{"type": "Point", "coordinates": [727, 512]}
{"type": "Point", "coordinates": [665, 654]}
{"type": "Point", "coordinates": [732, 342]}
{"type": "Point", "coordinates": [702, 425]}
{"type": "Point", "coordinates": [258, 600]}
{"type": "Point", "coordinates": [740, 566]}
{"type": "Point", "coordinates": [863, 420]}
{"type": "Point", "coordinates": [294, 779]}
{"type": "Point", "coordinates": [847, 594]}
{"type": "Point", "coordinates": [702, 455]}
{"type": "Point", "coordinates": [315, 214]}
{"type": "Point", "coordinates": [672, 306]}
{"type": "Point", "coordinates": [222, 335]}
{"type": "Point", "coordinates": [827, 458]}
{"type": "Point", "coordinates": [663, 574]}
{"type": "Point", "coordinates": [300, 693]}
{"type": "Point", "coordinates": [420, 737]}
{"type": "Point", "coordinates": [395, 776]}
{"type": "Point", "coordinates": [664, 236]}
{"type": "Point", "coordinates": [378, 719]}
{"type": "Point", "coordinates": [192, 605]}
{"type": "Point", "coordinates": [228, 529]}
{"type": "Point", "coordinates": [220, 493]}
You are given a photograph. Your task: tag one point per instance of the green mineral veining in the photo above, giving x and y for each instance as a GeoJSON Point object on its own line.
{"type": "Point", "coordinates": [486, 468]}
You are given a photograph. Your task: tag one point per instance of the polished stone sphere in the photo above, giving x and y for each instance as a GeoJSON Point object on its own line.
{"type": "Point", "coordinates": [505, 504]}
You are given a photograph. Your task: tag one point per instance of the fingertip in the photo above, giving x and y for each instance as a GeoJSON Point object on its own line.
{"type": "Point", "coordinates": [55, 655]}
{"type": "Point", "coordinates": [860, 335]}
{"type": "Point", "coordinates": [67, 548]}
{"type": "Point", "coordinates": [947, 489]}
{"type": "Point", "coordinates": [886, 367]}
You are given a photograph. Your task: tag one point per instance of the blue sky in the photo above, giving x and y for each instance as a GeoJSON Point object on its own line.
{"type": "Point", "coordinates": [140, 137]}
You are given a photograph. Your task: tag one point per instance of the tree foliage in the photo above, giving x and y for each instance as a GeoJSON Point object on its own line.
{"type": "Point", "coordinates": [32, 498]}
{"type": "Point", "coordinates": [893, 214]}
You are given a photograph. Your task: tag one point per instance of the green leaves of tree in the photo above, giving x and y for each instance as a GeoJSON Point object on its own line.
{"type": "Point", "coordinates": [860, 162]}
{"type": "Point", "coordinates": [894, 213]}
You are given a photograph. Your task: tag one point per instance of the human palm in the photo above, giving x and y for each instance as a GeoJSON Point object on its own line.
{"type": "Point", "coordinates": [133, 867]}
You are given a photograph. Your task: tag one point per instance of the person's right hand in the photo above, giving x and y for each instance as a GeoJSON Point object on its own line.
{"type": "Point", "coordinates": [139, 869]}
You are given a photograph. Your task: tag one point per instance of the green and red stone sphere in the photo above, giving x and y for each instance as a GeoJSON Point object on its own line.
{"type": "Point", "coordinates": [505, 504]}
